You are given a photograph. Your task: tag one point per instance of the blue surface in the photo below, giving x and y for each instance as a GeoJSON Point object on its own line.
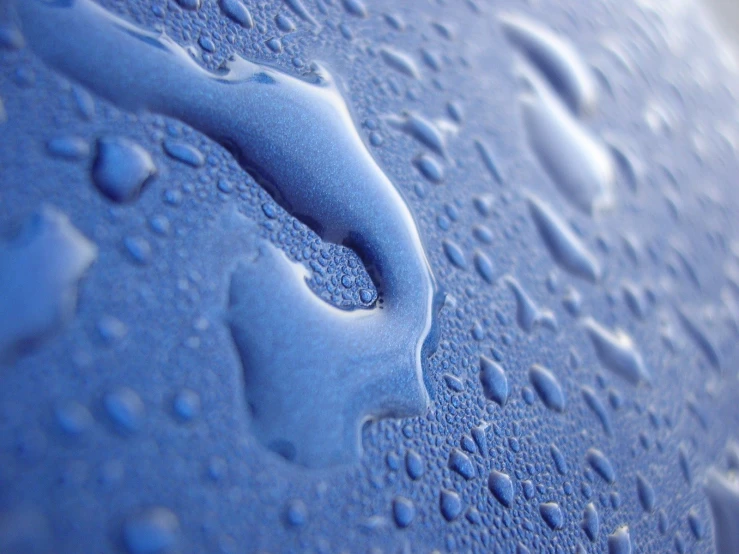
{"type": "Point", "coordinates": [328, 276]}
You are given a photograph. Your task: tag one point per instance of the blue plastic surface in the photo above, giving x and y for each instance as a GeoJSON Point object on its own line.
{"type": "Point", "coordinates": [346, 276]}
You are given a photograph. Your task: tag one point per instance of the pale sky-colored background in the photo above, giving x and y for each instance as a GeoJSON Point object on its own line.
{"type": "Point", "coordinates": [726, 15]}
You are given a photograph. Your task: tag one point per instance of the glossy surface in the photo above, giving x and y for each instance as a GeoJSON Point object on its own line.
{"type": "Point", "coordinates": [222, 225]}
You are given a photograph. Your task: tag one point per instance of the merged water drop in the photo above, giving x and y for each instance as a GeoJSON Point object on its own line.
{"type": "Point", "coordinates": [312, 372]}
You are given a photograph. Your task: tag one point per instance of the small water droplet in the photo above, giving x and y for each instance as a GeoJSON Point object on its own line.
{"type": "Point", "coordinates": [645, 491]}
{"type": "Point", "coordinates": [501, 486]}
{"type": "Point", "coordinates": [355, 8]}
{"type": "Point", "coordinates": [125, 409]}
{"type": "Point", "coordinates": [552, 515]}
{"type": "Point", "coordinates": [547, 387]}
{"type": "Point", "coordinates": [68, 148]}
{"type": "Point", "coordinates": [591, 522]}
{"type": "Point", "coordinates": [597, 407]}
{"type": "Point", "coordinates": [450, 504]}
{"type": "Point", "coordinates": [186, 405]}
{"type": "Point", "coordinates": [237, 12]}
{"type": "Point", "coordinates": [601, 465]}
{"type": "Point", "coordinates": [183, 152]}
{"type": "Point", "coordinates": [429, 168]}
{"type": "Point", "coordinates": [454, 254]}
{"type": "Point", "coordinates": [461, 464]}
{"type": "Point", "coordinates": [151, 531]}
{"type": "Point", "coordinates": [414, 464]}
{"type": "Point", "coordinates": [619, 542]}
{"type": "Point", "coordinates": [494, 381]}
{"type": "Point", "coordinates": [400, 62]}
{"type": "Point", "coordinates": [487, 159]}
{"type": "Point", "coordinates": [616, 351]}
{"type": "Point", "coordinates": [403, 511]}
{"type": "Point", "coordinates": [566, 249]}
{"type": "Point", "coordinates": [484, 266]}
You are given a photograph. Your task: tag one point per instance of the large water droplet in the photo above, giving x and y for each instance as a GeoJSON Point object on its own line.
{"type": "Point", "coordinates": [39, 272]}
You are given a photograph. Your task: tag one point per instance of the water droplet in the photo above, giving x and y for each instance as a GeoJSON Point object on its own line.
{"type": "Point", "coordinates": [591, 522]}
{"type": "Point", "coordinates": [10, 37]}
{"type": "Point", "coordinates": [400, 62]}
{"type": "Point", "coordinates": [645, 491]}
{"type": "Point", "coordinates": [484, 266]}
{"type": "Point", "coordinates": [414, 465]}
{"type": "Point", "coordinates": [429, 168]}
{"type": "Point", "coordinates": [237, 12]}
{"type": "Point", "coordinates": [454, 254]}
{"type": "Point", "coordinates": [450, 504]}
{"type": "Point", "coordinates": [297, 513]}
{"type": "Point", "coordinates": [634, 300]}
{"type": "Point", "coordinates": [501, 486]}
{"type": "Point", "coordinates": [580, 166]}
{"type": "Point", "coordinates": [296, 137]}
{"type": "Point", "coordinates": [700, 337]}
{"type": "Point", "coordinates": [301, 11]}
{"type": "Point", "coordinates": [355, 8]}
{"type": "Point", "coordinates": [454, 383]}
{"type": "Point", "coordinates": [566, 249]}
{"type": "Point", "coordinates": [528, 314]}
{"type": "Point", "coordinates": [189, 4]}
{"type": "Point", "coordinates": [125, 409]}
{"type": "Point", "coordinates": [696, 524]}
{"type": "Point", "coordinates": [284, 23]}
{"type": "Point", "coordinates": [186, 405]}
{"type": "Point", "coordinates": [616, 351]}
{"type": "Point", "coordinates": [685, 464]}
{"type": "Point", "coordinates": [547, 387]}
{"type": "Point", "coordinates": [559, 460]}
{"type": "Point", "coordinates": [722, 491]}
{"type": "Point", "coordinates": [151, 531]}
{"type": "Point", "coordinates": [597, 407]}
{"type": "Point", "coordinates": [68, 148]}
{"type": "Point", "coordinates": [139, 249]}
{"type": "Point", "coordinates": [111, 329]}
{"type": "Point", "coordinates": [494, 381]}
{"type": "Point", "coordinates": [121, 168]}
{"type": "Point", "coordinates": [556, 59]}
{"type": "Point", "coordinates": [41, 266]}
{"type": "Point", "coordinates": [73, 418]}
{"type": "Point", "coordinates": [403, 512]}
{"type": "Point", "coordinates": [601, 465]}
{"type": "Point", "coordinates": [619, 542]}
{"type": "Point", "coordinates": [487, 159]}
{"type": "Point", "coordinates": [183, 152]}
{"type": "Point", "coordinates": [552, 515]}
{"type": "Point", "coordinates": [421, 129]}
{"type": "Point", "coordinates": [461, 463]}
{"type": "Point", "coordinates": [483, 234]}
